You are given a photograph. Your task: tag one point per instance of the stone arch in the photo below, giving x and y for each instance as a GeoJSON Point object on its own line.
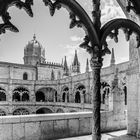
{"type": "Point", "coordinates": [2, 113]}
{"type": "Point", "coordinates": [44, 110]}
{"type": "Point", "coordinates": [65, 94]}
{"type": "Point", "coordinates": [46, 94]}
{"type": "Point", "coordinates": [80, 93]}
{"type": "Point", "coordinates": [25, 76]}
{"type": "Point", "coordinates": [21, 111]}
{"type": "Point", "coordinates": [59, 110]}
{"type": "Point", "coordinates": [20, 94]}
{"type": "Point", "coordinates": [105, 91]}
{"type": "Point", "coordinates": [2, 94]}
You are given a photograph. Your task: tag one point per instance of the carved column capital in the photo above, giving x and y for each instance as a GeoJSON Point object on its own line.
{"type": "Point", "coordinates": [96, 63]}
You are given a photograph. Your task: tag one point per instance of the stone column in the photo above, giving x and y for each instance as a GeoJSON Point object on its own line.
{"type": "Point", "coordinates": [66, 93]}
{"type": "Point", "coordinates": [96, 65]}
{"type": "Point", "coordinates": [82, 96]}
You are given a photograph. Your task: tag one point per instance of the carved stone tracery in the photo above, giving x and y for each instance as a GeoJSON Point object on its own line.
{"type": "Point", "coordinates": [95, 37]}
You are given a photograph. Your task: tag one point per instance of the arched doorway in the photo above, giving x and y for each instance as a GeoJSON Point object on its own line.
{"type": "Point", "coordinates": [44, 111]}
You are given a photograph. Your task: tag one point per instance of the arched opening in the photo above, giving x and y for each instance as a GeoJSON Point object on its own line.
{"type": "Point", "coordinates": [2, 113]}
{"type": "Point", "coordinates": [20, 94]}
{"type": "Point", "coordinates": [77, 97]}
{"type": "Point", "coordinates": [2, 94]}
{"type": "Point", "coordinates": [25, 76]}
{"type": "Point", "coordinates": [60, 110]}
{"type": "Point", "coordinates": [80, 94]}
{"type": "Point", "coordinates": [105, 91]}
{"type": "Point", "coordinates": [21, 111]}
{"type": "Point", "coordinates": [44, 111]}
{"type": "Point", "coordinates": [63, 98]}
{"type": "Point", "coordinates": [48, 94]}
{"type": "Point", "coordinates": [25, 97]}
{"type": "Point", "coordinates": [40, 97]}
{"type": "Point", "coordinates": [65, 94]}
{"type": "Point", "coordinates": [16, 97]}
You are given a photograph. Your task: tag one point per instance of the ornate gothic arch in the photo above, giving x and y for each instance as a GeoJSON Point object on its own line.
{"type": "Point", "coordinates": [95, 37]}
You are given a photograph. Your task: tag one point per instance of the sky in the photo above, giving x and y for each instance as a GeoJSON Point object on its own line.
{"type": "Point", "coordinates": [55, 36]}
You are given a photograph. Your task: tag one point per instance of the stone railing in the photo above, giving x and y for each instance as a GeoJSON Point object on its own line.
{"type": "Point", "coordinates": [52, 126]}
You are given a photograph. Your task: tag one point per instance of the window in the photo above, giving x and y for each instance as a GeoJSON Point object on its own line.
{"type": "Point", "coordinates": [25, 76]}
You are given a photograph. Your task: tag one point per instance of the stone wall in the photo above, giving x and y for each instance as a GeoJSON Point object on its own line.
{"type": "Point", "coordinates": [52, 126]}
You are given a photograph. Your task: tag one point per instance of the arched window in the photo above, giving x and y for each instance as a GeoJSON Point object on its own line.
{"type": "Point", "coordinates": [25, 76]}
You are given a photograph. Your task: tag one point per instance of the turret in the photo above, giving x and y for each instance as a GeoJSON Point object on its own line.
{"type": "Point", "coordinates": [75, 65]}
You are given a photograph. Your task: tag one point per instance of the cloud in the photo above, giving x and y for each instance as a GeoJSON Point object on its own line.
{"type": "Point", "coordinates": [76, 38]}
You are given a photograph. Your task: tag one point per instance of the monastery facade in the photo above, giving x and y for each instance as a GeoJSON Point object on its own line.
{"type": "Point", "coordinates": [31, 87]}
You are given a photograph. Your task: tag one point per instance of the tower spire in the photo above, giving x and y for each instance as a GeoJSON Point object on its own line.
{"type": "Point", "coordinates": [112, 61]}
{"type": "Point", "coordinates": [75, 64]}
{"type": "Point", "coordinates": [65, 68]}
{"type": "Point", "coordinates": [87, 66]}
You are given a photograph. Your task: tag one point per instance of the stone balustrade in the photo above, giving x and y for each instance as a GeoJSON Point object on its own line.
{"type": "Point", "coordinates": [52, 126]}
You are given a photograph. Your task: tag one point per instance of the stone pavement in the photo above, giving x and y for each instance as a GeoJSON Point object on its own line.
{"type": "Point", "coordinates": [117, 135]}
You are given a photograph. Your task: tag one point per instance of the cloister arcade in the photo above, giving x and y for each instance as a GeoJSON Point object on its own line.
{"type": "Point", "coordinates": [80, 94]}
{"type": "Point", "coordinates": [65, 94]}
{"type": "Point", "coordinates": [46, 94]}
{"type": "Point", "coordinates": [20, 94]}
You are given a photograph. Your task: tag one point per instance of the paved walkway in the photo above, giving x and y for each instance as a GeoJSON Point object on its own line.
{"type": "Point", "coordinates": [117, 135]}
